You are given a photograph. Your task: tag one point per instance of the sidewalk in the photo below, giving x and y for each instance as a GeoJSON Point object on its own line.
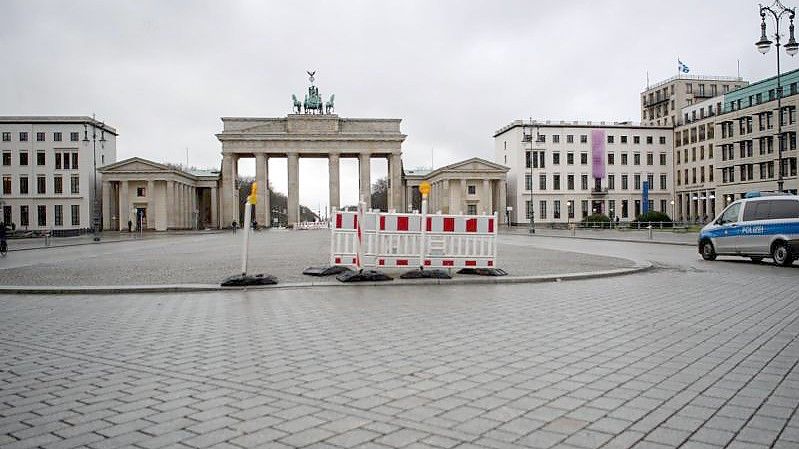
{"type": "Point", "coordinates": [626, 235]}
{"type": "Point", "coordinates": [88, 239]}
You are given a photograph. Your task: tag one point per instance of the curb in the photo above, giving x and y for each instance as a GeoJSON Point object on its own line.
{"type": "Point", "coordinates": [67, 245]}
{"type": "Point", "coordinates": [611, 239]}
{"type": "Point", "coordinates": [640, 266]}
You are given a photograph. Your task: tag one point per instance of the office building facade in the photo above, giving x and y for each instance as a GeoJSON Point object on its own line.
{"type": "Point", "coordinates": [562, 172]}
{"type": "Point", "coordinates": [47, 171]}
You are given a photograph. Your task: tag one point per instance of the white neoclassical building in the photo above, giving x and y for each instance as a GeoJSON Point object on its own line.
{"type": "Point", "coordinates": [47, 171]}
{"type": "Point", "coordinates": [564, 171]}
{"type": "Point", "coordinates": [159, 197]}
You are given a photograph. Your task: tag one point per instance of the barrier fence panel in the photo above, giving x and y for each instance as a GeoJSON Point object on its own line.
{"type": "Point", "coordinates": [395, 240]}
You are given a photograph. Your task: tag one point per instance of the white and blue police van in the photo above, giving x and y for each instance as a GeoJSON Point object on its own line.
{"type": "Point", "coordinates": [757, 226]}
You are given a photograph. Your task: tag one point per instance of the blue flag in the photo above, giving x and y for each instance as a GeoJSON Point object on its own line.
{"type": "Point", "coordinates": [681, 67]}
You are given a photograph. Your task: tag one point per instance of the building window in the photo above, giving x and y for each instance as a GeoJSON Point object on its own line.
{"type": "Point", "coordinates": [74, 185]}
{"type": "Point", "coordinates": [471, 190]}
{"type": "Point", "coordinates": [662, 182]}
{"type": "Point", "coordinates": [570, 182]}
{"type": "Point", "coordinates": [610, 138]}
{"type": "Point", "coordinates": [528, 182]}
{"type": "Point", "coordinates": [40, 137]}
{"type": "Point", "coordinates": [611, 158]}
{"type": "Point", "coordinates": [542, 214]}
{"type": "Point", "coordinates": [584, 138]}
{"type": "Point", "coordinates": [23, 185]}
{"type": "Point", "coordinates": [40, 158]}
{"type": "Point", "coordinates": [7, 214]}
{"type": "Point", "coordinates": [6, 137]}
{"type": "Point", "coordinates": [541, 138]}
{"type": "Point", "coordinates": [625, 208]}
{"type": "Point", "coordinates": [569, 158]}
{"type": "Point", "coordinates": [74, 136]}
{"type": "Point", "coordinates": [623, 139]}
{"type": "Point", "coordinates": [57, 137]}
{"type": "Point", "coordinates": [41, 214]}
{"type": "Point", "coordinates": [584, 182]}
{"type": "Point", "coordinates": [555, 138]}
{"type": "Point", "coordinates": [542, 182]}
{"type": "Point", "coordinates": [75, 214]}
{"type": "Point", "coordinates": [584, 158]}
{"type": "Point", "coordinates": [58, 161]}
{"type": "Point", "coordinates": [529, 209]}
{"type": "Point", "coordinates": [569, 138]}
{"type": "Point", "coordinates": [611, 182]}
{"type": "Point", "coordinates": [649, 140]}
{"type": "Point", "coordinates": [23, 158]}
{"type": "Point", "coordinates": [650, 159]}
{"type": "Point", "coordinates": [663, 206]}
{"type": "Point", "coordinates": [556, 158]}
{"type": "Point", "coordinates": [140, 191]}
{"type": "Point", "coordinates": [663, 158]}
{"type": "Point", "coordinates": [637, 182]}
{"type": "Point", "coordinates": [650, 180]}
{"type": "Point", "coordinates": [636, 158]}
{"type": "Point", "coordinates": [58, 184]}
{"type": "Point", "coordinates": [6, 185]}
{"type": "Point", "coordinates": [66, 161]}
{"type": "Point", "coordinates": [24, 219]}
{"type": "Point", "coordinates": [41, 185]}
{"type": "Point", "coordinates": [584, 207]}
{"type": "Point", "coordinates": [74, 161]}
{"type": "Point", "coordinates": [624, 159]}
{"type": "Point", "coordinates": [570, 208]}
{"type": "Point", "coordinates": [556, 182]}
{"type": "Point", "coordinates": [636, 140]}
{"type": "Point", "coordinates": [23, 136]}
{"type": "Point", "coordinates": [58, 215]}
{"type": "Point", "coordinates": [556, 209]}
{"type": "Point", "coordinates": [662, 140]}
{"type": "Point", "coordinates": [471, 209]}
{"type": "Point", "coordinates": [624, 182]}
{"type": "Point", "coordinates": [6, 158]}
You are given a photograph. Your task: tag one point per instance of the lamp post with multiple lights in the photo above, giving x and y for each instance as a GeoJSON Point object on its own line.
{"type": "Point", "coordinates": [777, 10]}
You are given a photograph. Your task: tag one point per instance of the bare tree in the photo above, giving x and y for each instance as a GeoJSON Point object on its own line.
{"type": "Point", "coordinates": [380, 194]}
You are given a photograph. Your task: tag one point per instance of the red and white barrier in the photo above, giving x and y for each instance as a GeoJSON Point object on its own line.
{"type": "Point", "coordinates": [397, 240]}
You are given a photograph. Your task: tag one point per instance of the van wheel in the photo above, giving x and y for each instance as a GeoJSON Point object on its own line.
{"type": "Point", "coordinates": [708, 252]}
{"type": "Point", "coordinates": [781, 253]}
{"type": "Point", "coordinates": [756, 259]}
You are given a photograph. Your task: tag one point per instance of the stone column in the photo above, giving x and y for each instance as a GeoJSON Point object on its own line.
{"type": "Point", "coordinates": [183, 206]}
{"type": "Point", "coordinates": [333, 181]}
{"type": "Point", "coordinates": [170, 201]}
{"type": "Point", "coordinates": [230, 194]}
{"type": "Point", "coordinates": [502, 201]}
{"type": "Point", "coordinates": [214, 206]}
{"type": "Point", "coordinates": [124, 205]}
{"type": "Point", "coordinates": [293, 203]}
{"type": "Point", "coordinates": [106, 205]}
{"type": "Point", "coordinates": [195, 212]}
{"type": "Point", "coordinates": [365, 184]}
{"type": "Point", "coordinates": [151, 207]}
{"type": "Point", "coordinates": [395, 176]}
{"type": "Point", "coordinates": [455, 194]}
{"type": "Point", "coordinates": [260, 178]}
{"type": "Point", "coordinates": [485, 201]}
{"type": "Point", "coordinates": [408, 197]}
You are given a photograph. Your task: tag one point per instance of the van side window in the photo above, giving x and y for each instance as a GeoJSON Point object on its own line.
{"type": "Point", "coordinates": [757, 210]}
{"type": "Point", "coordinates": [730, 215]}
{"type": "Point", "coordinates": [784, 209]}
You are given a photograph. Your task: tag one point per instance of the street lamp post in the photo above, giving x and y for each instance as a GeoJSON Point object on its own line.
{"type": "Point", "coordinates": [673, 215]}
{"type": "Point", "coordinates": [568, 213]}
{"type": "Point", "coordinates": [95, 217]}
{"type": "Point", "coordinates": [777, 10]}
{"type": "Point", "coordinates": [531, 217]}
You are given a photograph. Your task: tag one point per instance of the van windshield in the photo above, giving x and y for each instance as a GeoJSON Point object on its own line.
{"type": "Point", "coordinates": [730, 215]}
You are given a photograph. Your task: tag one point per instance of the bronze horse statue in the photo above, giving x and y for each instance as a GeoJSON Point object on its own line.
{"type": "Point", "coordinates": [297, 104]}
{"type": "Point", "coordinates": [329, 105]}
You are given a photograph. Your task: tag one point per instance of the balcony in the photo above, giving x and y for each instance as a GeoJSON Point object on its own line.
{"type": "Point", "coordinates": [599, 191]}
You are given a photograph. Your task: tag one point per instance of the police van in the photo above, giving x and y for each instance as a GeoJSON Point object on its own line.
{"type": "Point", "coordinates": [757, 226]}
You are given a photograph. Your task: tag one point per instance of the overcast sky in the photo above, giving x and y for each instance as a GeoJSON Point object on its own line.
{"type": "Point", "coordinates": [164, 72]}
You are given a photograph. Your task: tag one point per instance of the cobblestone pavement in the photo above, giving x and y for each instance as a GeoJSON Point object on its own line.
{"type": "Point", "coordinates": [208, 258]}
{"type": "Point", "coordinates": [693, 354]}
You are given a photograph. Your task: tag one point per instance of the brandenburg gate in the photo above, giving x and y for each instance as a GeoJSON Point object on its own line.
{"type": "Point", "coordinates": [315, 133]}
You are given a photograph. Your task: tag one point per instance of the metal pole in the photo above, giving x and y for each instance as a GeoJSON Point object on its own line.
{"type": "Point", "coordinates": [246, 240]}
{"type": "Point", "coordinates": [423, 225]}
{"type": "Point", "coordinates": [779, 112]}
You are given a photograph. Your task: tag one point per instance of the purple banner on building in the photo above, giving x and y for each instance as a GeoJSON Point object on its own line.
{"type": "Point", "coordinates": [598, 153]}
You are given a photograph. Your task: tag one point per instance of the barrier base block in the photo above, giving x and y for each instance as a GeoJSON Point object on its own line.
{"type": "Point", "coordinates": [240, 280]}
{"type": "Point", "coordinates": [484, 271]}
{"type": "Point", "coordinates": [420, 273]}
{"type": "Point", "coordinates": [363, 276]}
{"type": "Point", "coordinates": [325, 271]}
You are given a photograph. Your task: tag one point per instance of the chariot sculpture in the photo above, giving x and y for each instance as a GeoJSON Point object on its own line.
{"type": "Point", "coordinates": [313, 103]}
